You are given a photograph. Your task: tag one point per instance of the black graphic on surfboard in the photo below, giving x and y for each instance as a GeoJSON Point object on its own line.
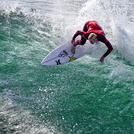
{"type": "Point", "coordinates": [58, 62]}
{"type": "Point", "coordinates": [63, 54]}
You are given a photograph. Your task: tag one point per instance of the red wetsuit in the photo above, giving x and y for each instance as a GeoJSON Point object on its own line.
{"type": "Point", "coordinates": [92, 27]}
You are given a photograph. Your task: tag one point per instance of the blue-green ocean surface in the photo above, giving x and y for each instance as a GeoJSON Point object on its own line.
{"type": "Point", "coordinates": [81, 97]}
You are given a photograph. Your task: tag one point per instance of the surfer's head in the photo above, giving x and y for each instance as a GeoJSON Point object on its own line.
{"type": "Point", "coordinates": [92, 38]}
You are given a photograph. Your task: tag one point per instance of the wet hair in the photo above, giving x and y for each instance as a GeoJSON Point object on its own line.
{"type": "Point", "coordinates": [92, 36]}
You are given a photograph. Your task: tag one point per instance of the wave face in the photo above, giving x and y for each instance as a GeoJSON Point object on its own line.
{"type": "Point", "coordinates": [84, 96]}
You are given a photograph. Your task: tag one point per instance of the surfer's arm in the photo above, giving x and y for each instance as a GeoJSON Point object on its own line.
{"type": "Point", "coordinates": [76, 34]}
{"type": "Point", "coordinates": [109, 46]}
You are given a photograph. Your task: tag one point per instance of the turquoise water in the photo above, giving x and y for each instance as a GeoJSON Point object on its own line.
{"type": "Point", "coordinates": [82, 97]}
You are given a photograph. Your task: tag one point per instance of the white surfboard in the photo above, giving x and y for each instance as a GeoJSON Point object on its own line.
{"type": "Point", "coordinates": [63, 54]}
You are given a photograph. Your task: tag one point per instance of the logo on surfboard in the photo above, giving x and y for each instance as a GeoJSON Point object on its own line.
{"type": "Point", "coordinates": [63, 54]}
{"type": "Point", "coordinates": [72, 58]}
{"type": "Point", "coordinates": [58, 62]}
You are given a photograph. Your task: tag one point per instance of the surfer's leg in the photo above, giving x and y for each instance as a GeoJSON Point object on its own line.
{"type": "Point", "coordinates": [83, 40]}
{"type": "Point", "coordinates": [85, 28]}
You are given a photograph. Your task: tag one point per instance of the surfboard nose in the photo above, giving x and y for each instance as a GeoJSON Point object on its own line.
{"type": "Point", "coordinates": [43, 63]}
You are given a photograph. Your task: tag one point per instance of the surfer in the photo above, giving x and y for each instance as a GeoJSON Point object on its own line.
{"type": "Point", "coordinates": [92, 32]}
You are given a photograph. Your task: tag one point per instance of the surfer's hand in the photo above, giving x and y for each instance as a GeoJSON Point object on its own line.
{"type": "Point", "coordinates": [102, 59]}
{"type": "Point", "coordinates": [73, 49]}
